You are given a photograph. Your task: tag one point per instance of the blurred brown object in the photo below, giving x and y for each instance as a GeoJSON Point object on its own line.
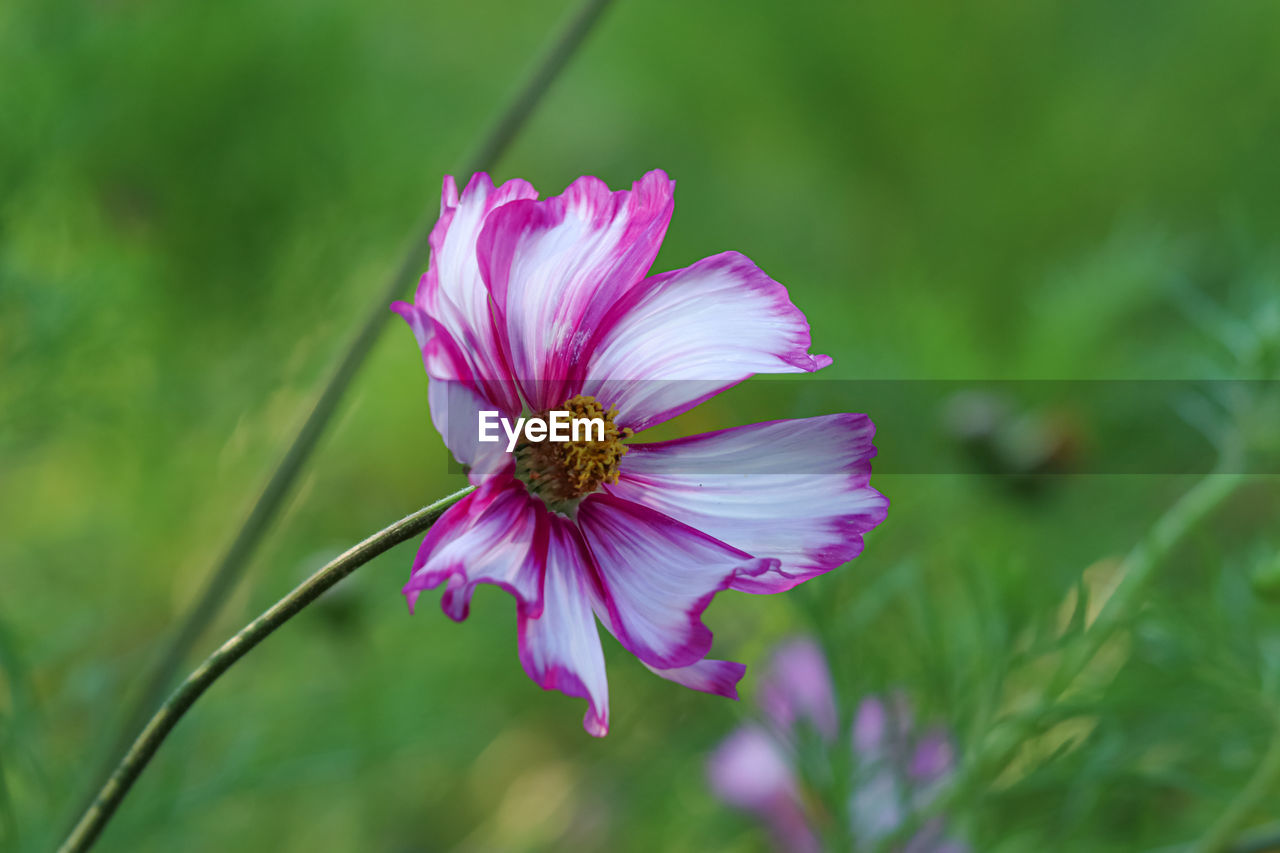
{"type": "Point", "coordinates": [1002, 440]}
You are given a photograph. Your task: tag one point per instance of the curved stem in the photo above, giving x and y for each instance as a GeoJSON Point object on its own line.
{"type": "Point", "coordinates": [91, 823]}
{"type": "Point", "coordinates": [236, 558]}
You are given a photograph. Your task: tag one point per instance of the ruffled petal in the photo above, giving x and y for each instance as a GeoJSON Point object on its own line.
{"type": "Point", "coordinates": [710, 676]}
{"type": "Point", "coordinates": [555, 267]}
{"type": "Point", "coordinates": [560, 649]}
{"type": "Point", "coordinates": [456, 402]}
{"type": "Point", "coordinates": [419, 323]}
{"type": "Point", "coordinates": [685, 336]}
{"type": "Point", "coordinates": [793, 490]}
{"type": "Point", "coordinates": [452, 293]}
{"type": "Point", "coordinates": [657, 577]}
{"type": "Point", "coordinates": [498, 535]}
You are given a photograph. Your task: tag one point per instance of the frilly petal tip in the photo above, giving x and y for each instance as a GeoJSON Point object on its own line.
{"type": "Point", "coordinates": [806, 362]}
{"type": "Point", "coordinates": [728, 690]}
{"type": "Point", "coordinates": [456, 607]}
{"type": "Point", "coordinates": [596, 725]}
{"type": "Point", "coordinates": [411, 597]}
{"type": "Point", "coordinates": [732, 673]}
{"type": "Point", "coordinates": [448, 193]}
{"type": "Point", "coordinates": [477, 180]}
{"type": "Point", "coordinates": [657, 181]}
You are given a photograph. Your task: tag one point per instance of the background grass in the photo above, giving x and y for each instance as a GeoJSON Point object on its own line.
{"type": "Point", "coordinates": [197, 203]}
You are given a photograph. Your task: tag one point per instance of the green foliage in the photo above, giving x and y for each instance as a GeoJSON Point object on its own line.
{"type": "Point", "coordinates": [197, 203]}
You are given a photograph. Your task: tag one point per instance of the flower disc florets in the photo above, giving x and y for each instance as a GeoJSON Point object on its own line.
{"type": "Point", "coordinates": [564, 472]}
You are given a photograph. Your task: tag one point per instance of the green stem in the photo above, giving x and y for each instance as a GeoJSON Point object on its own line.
{"type": "Point", "coordinates": [1141, 562]}
{"type": "Point", "coordinates": [236, 558]}
{"type": "Point", "coordinates": [104, 805]}
{"type": "Point", "coordinates": [1260, 788]}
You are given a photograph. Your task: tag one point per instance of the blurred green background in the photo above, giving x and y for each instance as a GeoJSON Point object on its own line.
{"type": "Point", "coordinates": [197, 204]}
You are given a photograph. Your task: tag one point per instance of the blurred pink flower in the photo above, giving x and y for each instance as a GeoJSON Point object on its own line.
{"type": "Point", "coordinates": [530, 306]}
{"type": "Point", "coordinates": [797, 686]}
{"type": "Point", "coordinates": [752, 771]}
{"type": "Point", "coordinates": [897, 770]}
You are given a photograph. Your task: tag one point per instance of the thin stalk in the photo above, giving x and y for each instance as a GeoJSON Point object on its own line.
{"type": "Point", "coordinates": [1139, 565]}
{"type": "Point", "coordinates": [236, 558]}
{"type": "Point", "coordinates": [133, 762]}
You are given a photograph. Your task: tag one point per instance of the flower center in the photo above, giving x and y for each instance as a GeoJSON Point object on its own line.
{"type": "Point", "coordinates": [563, 472]}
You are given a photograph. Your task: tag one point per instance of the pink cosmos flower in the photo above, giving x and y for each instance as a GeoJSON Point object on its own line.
{"type": "Point", "coordinates": [897, 770]}
{"type": "Point", "coordinates": [531, 306]}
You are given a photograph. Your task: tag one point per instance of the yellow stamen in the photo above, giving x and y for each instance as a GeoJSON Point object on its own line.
{"type": "Point", "coordinates": [561, 472]}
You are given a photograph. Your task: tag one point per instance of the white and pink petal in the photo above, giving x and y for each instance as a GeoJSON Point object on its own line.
{"type": "Point", "coordinates": [495, 535]}
{"type": "Point", "coordinates": [709, 676]}
{"type": "Point", "coordinates": [657, 577]}
{"type": "Point", "coordinates": [455, 398]}
{"type": "Point", "coordinates": [452, 292]}
{"type": "Point", "coordinates": [796, 490]}
{"type": "Point", "coordinates": [555, 267]}
{"type": "Point", "coordinates": [560, 648]}
{"type": "Point", "coordinates": [684, 336]}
